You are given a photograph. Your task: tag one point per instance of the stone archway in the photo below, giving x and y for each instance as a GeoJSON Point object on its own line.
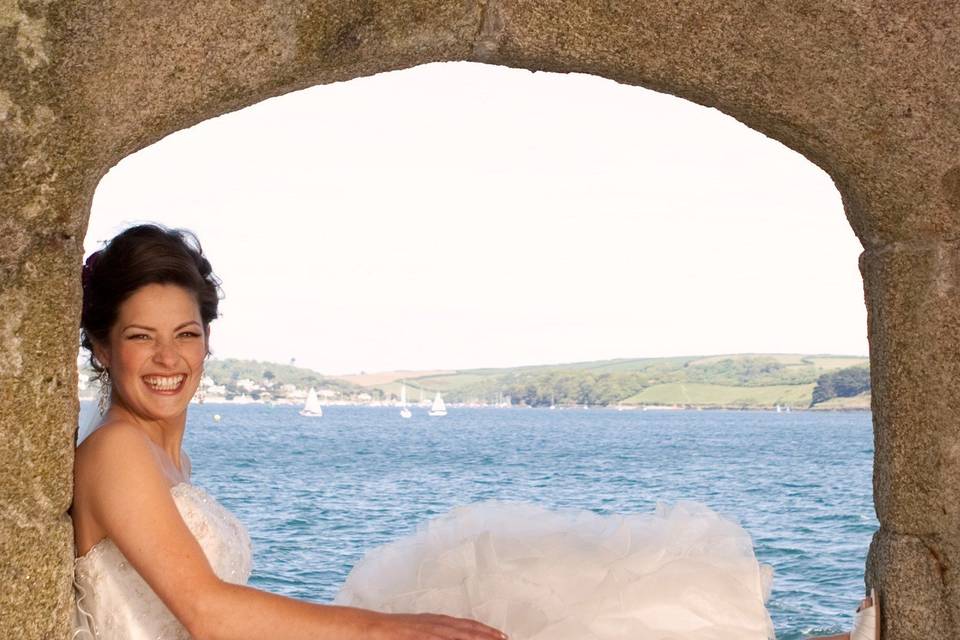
{"type": "Point", "coordinates": [869, 94]}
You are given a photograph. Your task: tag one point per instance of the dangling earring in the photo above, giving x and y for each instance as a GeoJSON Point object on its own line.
{"type": "Point", "coordinates": [201, 394]}
{"type": "Point", "coordinates": [103, 399]}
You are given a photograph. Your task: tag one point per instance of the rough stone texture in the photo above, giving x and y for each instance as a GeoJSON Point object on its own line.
{"type": "Point", "coordinates": [41, 229]}
{"type": "Point", "coordinates": [909, 571]}
{"type": "Point", "coordinates": [914, 330]}
{"type": "Point", "coordinates": [866, 90]}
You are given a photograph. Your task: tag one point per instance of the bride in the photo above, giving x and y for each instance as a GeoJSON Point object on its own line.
{"type": "Point", "coordinates": [157, 557]}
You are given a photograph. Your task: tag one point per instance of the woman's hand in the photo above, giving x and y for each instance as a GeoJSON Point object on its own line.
{"type": "Point", "coordinates": [428, 626]}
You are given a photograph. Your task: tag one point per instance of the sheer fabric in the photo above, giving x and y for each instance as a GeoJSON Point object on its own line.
{"type": "Point", "coordinates": [681, 573]}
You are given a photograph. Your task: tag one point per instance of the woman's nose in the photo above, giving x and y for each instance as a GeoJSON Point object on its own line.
{"type": "Point", "coordinates": [166, 353]}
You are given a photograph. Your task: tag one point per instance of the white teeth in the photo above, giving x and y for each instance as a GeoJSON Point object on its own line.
{"type": "Point", "coordinates": [164, 383]}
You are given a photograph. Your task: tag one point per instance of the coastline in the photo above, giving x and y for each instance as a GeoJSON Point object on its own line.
{"type": "Point", "coordinates": [521, 407]}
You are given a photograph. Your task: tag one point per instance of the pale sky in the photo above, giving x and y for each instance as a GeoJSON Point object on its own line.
{"type": "Point", "coordinates": [458, 215]}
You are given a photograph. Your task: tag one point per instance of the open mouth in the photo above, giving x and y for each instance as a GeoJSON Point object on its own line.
{"type": "Point", "coordinates": [165, 384]}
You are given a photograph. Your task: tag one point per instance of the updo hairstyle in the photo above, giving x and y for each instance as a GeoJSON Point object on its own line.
{"type": "Point", "coordinates": [142, 255]}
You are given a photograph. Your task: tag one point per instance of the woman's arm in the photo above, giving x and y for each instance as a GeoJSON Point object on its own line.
{"type": "Point", "coordinates": [236, 612]}
{"type": "Point", "coordinates": [131, 501]}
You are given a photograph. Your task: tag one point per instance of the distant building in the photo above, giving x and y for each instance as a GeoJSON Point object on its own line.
{"type": "Point", "coordinates": [247, 385]}
{"type": "Point", "coordinates": [291, 391]}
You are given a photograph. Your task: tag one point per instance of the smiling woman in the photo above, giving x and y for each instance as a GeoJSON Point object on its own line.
{"type": "Point", "coordinates": [156, 557]}
{"type": "Point", "coordinates": [153, 364]}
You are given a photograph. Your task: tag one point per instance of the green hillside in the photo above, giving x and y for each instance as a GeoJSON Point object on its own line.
{"type": "Point", "coordinates": [743, 381]}
{"type": "Point", "coordinates": [729, 381]}
{"type": "Point", "coordinates": [715, 395]}
{"type": "Point", "coordinates": [229, 371]}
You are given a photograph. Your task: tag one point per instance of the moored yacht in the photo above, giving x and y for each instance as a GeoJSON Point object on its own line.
{"type": "Point", "coordinates": [404, 409]}
{"type": "Point", "coordinates": [312, 408]}
{"type": "Point", "coordinates": [437, 408]}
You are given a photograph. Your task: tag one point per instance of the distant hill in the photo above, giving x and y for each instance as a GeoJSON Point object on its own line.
{"type": "Point", "coordinates": [256, 378]}
{"type": "Point", "coordinates": [742, 381]}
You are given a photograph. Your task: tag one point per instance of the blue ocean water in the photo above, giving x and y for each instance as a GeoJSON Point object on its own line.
{"type": "Point", "coordinates": [315, 494]}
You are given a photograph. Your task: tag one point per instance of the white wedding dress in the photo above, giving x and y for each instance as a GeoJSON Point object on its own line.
{"type": "Point", "coordinates": [680, 573]}
{"type": "Point", "coordinates": [112, 601]}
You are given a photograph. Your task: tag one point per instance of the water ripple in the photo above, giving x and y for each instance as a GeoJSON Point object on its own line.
{"type": "Point", "coordinates": [316, 494]}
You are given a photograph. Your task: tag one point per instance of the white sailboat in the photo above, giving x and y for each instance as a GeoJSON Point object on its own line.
{"type": "Point", "coordinates": [437, 408]}
{"type": "Point", "coordinates": [312, 408]}
{"type": "Point", "coordinates": [404, 410]}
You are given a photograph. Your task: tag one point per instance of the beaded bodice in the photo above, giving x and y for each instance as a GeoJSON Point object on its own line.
{"type": "Point", "coordinates": [112, 601]}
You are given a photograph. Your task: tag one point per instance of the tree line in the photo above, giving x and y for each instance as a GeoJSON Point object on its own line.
{"type": "Point", "coordinates": [842, 383]}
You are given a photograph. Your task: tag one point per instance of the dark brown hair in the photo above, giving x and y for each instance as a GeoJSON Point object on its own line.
{"type": "Point", "coordinates": [142, 255]}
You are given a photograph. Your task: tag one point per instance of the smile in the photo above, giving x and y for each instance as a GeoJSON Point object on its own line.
{"type": "Point", "coordinates": [165, 383]}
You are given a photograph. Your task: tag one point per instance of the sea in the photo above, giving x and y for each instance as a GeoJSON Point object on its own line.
{"type": "Point", "coordinates": [316, 493]}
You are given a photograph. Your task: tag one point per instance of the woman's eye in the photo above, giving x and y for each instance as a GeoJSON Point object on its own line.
{"type": "Point", "coordinates": [138, 336]}
{"type": "Point", "coordinates": [189, 334]}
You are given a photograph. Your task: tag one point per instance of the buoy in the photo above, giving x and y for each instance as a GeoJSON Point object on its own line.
{"type": "Point", "coordinates": [216, 417]}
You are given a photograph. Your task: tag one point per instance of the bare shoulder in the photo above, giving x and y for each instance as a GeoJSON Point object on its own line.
{"type": "Point", "coordinates": [110, 462]}
{"type": "Point", "coordinates": [118, 464]}
{"type": "Point", "coordinates": [116, 450]}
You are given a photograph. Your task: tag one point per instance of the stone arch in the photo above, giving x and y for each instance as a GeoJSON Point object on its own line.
{"type": "Point", "coordinates": [867, 92]}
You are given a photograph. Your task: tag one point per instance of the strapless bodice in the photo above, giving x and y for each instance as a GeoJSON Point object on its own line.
{"type": "Point", "coordinates": [112, 601]}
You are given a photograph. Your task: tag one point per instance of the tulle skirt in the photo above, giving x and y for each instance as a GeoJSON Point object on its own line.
{"type": "Point", "coordinates": [681, 572]}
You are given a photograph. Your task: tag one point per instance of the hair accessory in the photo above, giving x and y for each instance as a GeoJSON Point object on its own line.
{"type": "Point", "coordinates": [88, 267]}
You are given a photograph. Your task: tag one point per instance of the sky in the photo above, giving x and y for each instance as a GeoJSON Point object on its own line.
{"type": "Point", "coordinates": [459, 215]}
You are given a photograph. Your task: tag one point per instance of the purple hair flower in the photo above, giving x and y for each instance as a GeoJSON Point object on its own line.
{"type": "Point", "coordinates": [87, 272]}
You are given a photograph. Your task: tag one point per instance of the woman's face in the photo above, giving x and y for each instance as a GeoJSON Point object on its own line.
{"type": "Point", "coordinates": [156, 351]}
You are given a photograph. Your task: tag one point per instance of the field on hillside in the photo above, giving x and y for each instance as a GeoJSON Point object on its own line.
{"type": "Point", "coordinates": [713, 395]}
{"type": "Point", "coordinates": [731, 381]}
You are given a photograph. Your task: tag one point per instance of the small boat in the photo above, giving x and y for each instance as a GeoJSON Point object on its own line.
{"type": "Point", "coordinates": [404, 409]}
{"type": "Point", "coordinates": [437, 408]}
{"type": "Point", "coordinates": [312, 408]}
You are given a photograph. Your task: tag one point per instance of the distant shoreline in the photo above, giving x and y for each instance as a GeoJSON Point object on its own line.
{"type": "Point", "coordinates": [738, 382]}
{"type": "Point", "coordinates": [631, 409]}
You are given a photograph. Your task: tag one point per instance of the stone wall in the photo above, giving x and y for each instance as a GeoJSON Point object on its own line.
{"type": "Point", "coordinates": [868, 91]}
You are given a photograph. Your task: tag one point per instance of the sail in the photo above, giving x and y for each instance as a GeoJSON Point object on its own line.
{"type": "Point", "coordinates": [438, 406]}
{"type": "Point", "coordinates": [404, 411]}
{"type": "Point", "coordinates": [312, 406]}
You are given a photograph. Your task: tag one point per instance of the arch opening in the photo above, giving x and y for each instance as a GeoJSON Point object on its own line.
{"type": "Point", "coordinates": [518, 234]}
